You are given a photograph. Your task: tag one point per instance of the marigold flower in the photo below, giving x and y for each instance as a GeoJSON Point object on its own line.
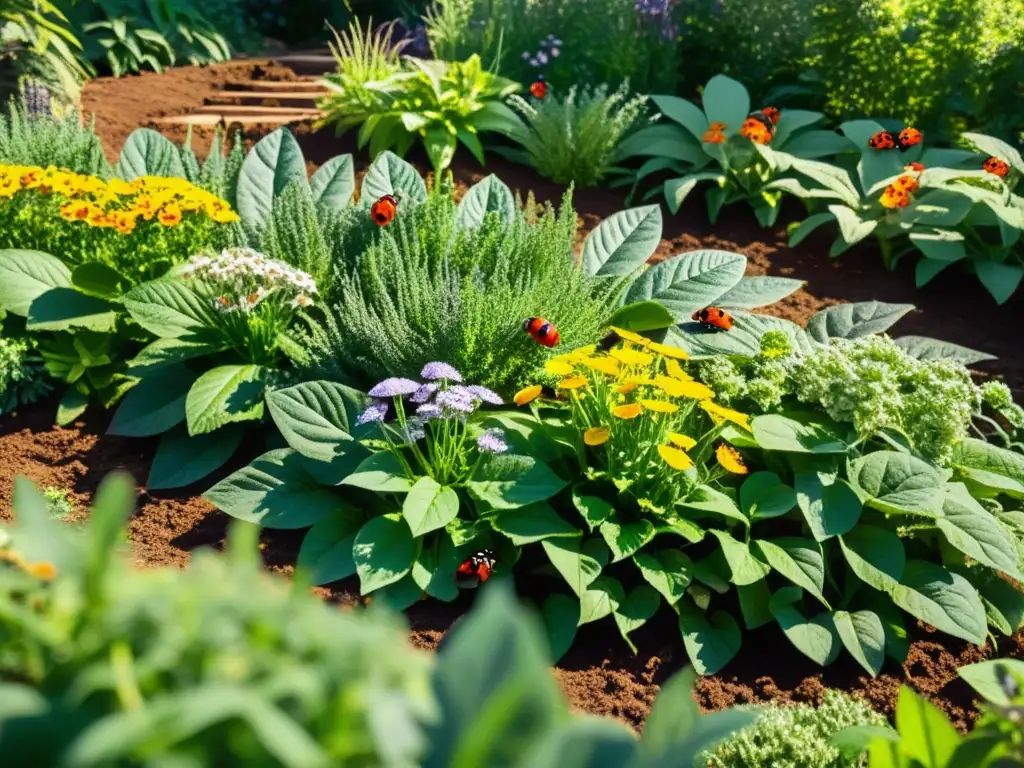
{"type": "Point", "coordinates": [630, 411]}
{"type": "Point", "coordinates": [604, 365]}
{"type": "Point", "coordinates": [75, 211]}
{"type": "Point", "coordinates": [720, 413]}
{"type": "Point", "coordinates": [45, 571]}
{"type": "Point", "coordinates": [625, 389]}
{"type": "Point", "coordinates": [635, 338]}
{"type": "Point", "coordinates": [681, 441]}
{"type": "Point", "coordinates": [527, 394]}
{"type": "Point", "coordinates": [908, 184]}
{"type": "Point", "coordinates": [573, 382]}
{"type": "Point", "coordinates": [691, 389]}
{"type": "Point", "coordinates": [730, 460]}
{"type": "Point", "coordinates": [674, 457]}
{"type": "Point", "coordinates": [659, 406]}
{"type": "Point", "coordinates": [668, 351]}
{"type": "Point", "coordinates": [596, 436]}
{"type": "Point", "coordinates": [895, 197]}
{"type": "Point", "coordinates": [717, 126]}
{"type": "Point", "coordinates": [675, 370]}
{"type": "Point", "coordinates": [559, 367]}
{"type": "Point", "coordinates": [631, 357]}
{"type": "Point", "coordinates": [713, 137]}
{"type": "Point", "coordinates": [756, 131]}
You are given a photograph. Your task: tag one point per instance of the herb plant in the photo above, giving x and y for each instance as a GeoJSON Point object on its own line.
{"type": "Point", "coordinates": [23, 379]}
{"type": "Point", "coordinates": [42, 140]}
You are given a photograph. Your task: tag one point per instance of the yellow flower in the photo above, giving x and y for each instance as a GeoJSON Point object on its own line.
{"type": "Point", "coordinates": [44, 571]}
{"type": "Point", "coordinates": [641, 381]}
{"type": "Point", "coordinates": [630, 411]}
{"type": "Point", "coordinates": [631, 357]}
{"type": "Point", "coordinates": [75, 211]}
{"type": "Point", "coordinates": [659, 406]}
{"type": "Point", "coordinates": [675, 370]}
{"type": "Point", "coordinates": [573, 382]}
{"type": "Point", "coordinates": [578, 354]}
{"type": "Point", "coordinates": [730, 459]}
{"type": "Point", "coordinates": [691, 389]}
{"type": "Point", "coordinates": [603, 364]}
{"type": "Point", "coordinates": [636, 338]}
{"type": "Point", "coordinates": [596, 436]}
{"type": "Point", "coordinates": [120, 187]}
{"type": "Point", "coordinates": [666, 351]}
{"type": "Point", "coordinates": [720, 413]}
{"type": "Point", "coordinates": [558, 367]}
{"type": "Point", "coordinates": [625, 389]}
{"type": "Point", "coordinates": [169, 215]}
{"type": "Point", "coordinates": [674, 457]}
{"type": "Point", "coordinates": [681, 441]}
{"type": "Point", "coordinates": [527, 394]}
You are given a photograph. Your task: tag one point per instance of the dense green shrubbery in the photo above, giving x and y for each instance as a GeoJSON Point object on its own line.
{"type": "Point", "coordinates": [30, 138]}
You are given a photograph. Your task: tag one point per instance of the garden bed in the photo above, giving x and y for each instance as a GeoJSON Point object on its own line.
{"type": "Point", "coordinates": [599, 674]}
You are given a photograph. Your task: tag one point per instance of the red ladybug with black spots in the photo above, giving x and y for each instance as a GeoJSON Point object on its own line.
{"type": "Point", "coordinates": [478, 566]}
{"type": "Point", "coordinates": [904, 140]}
{"type": "Point", "coordinates": [713, 318]}
{"type": "Point", "coordinates": [542, 331]}
{"type": "Point", "coordinates": [383, 211]}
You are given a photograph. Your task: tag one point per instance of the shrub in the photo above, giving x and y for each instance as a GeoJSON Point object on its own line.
{"type": "Point", "coordinates": [22, 377]}
{"type": "Point", "coordinates": [38, 44]}
{"type": "Point", "coordinates": [43, 140]}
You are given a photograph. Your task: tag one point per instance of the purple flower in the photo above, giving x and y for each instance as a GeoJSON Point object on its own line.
{"type": "Point", "coordinates": [424, 393]}
{"type": "Point", "coordinates": [435, 371]}
{"type": "Point", "coordinates": [456, 399]}
{"type": "Point", "coordinates": [542, 57]}
{"type": "Point", "coordinates": [492, 441]}
{"type": "Point", "coordinates": [394, 387]}
{"type": "Point", "coordinates": [376, 412]}
{"type": "Point", "coordinates": [533, 63]}
{"type": "Point", "coordinates": [554, 53]}
{"type": "Point", "coordinates": [485, 394]}
{"type": "Point", "coordinates": [429, 411]}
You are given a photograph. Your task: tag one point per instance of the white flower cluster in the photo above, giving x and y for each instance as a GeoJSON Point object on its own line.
{"type": "Point", "coordinates": [242, 278]}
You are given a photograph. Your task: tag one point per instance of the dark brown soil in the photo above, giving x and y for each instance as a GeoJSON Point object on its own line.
{"type": "Point", "coordinates": [600, 675]}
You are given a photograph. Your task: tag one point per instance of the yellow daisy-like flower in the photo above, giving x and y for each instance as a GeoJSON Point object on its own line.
{"type": "Point", "coordinates": [604, 365]}
{"type": "Point", "coordinates": [596, 436]}
{"type": "Point", "coordinates": [558, 367]}
{"type": "Point", "coordinates": [730, 459]}
{"type": "Point", "coordinates": [659, 406]}
{"type": "Point", "coordinates": [44, 571]}
{"type": "Point", "coordinates": [641, 381]}
{"type": "Point", "coordinates": [675, 370]}
{"type": "Point", "coordinates": [624, 389]}
{"type": "Point", "coordinates": [630, 411]}
{"type": "Point", "coordinates": [573, 382]}
{"type": "Point", "coordinates": [169, 215]}
{"type": "Point", "coordinates": [666, 351]}
{"type": "Point", "coordinates": [631, 357]}
{"type": "Point", "coordinates": [527, 394]}
{"type": "Point", "coordinates": [691, 389]}
{"type": "Point", "coordinates": [636, 338]}
{"type": "Point", "coordinates": [681, 441]}
{"type": "Point", "coordinates": [674, 457]}
{"type": "Point", "coordinates": [720, 413]}
{"type": "Point", "coordinates": [579, 354]}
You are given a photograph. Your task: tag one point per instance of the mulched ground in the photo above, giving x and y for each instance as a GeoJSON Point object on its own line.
{"type": "Point", "coordinates": [600, 674]}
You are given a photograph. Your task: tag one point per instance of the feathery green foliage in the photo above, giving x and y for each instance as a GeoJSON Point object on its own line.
{"type": "Point", "coordinates": [22, 377]}
{"type": "Point", "coordinates": [36, 139]}
{"type": "Point", "coordinates": [573, 139]}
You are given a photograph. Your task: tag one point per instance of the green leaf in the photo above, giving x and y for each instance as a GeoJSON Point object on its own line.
{"type": "Point", "coordinates": [984, 677]}
{"type": "Point", "coordinates": [168, 309]}
{"type": "Point", "coordinates": [97, 279]}
{"type": "Point", "coordinates": [429, 506]}
{"type": "Point", "coordinates": [807, 226]}
{"type": "Point", "coordinates": [440, 145]}
{"type": "Point", "coordinates": [601, 598]}
{"type": "Point", "coordinates": [316, 417]}
{"type": "Point", "coordinates": [389, 174]}
{"type": "Point", "coordinates": [726, 101]}
{"type": "Point", "coordinates": [642, 316]}
{"type": "Point", "coordinates": [830, 510]}
{"type": "Point", "coordinates": [334, 183]}
{"type": "Point", "coordinates": [898, 483]}
{"type": "Point", "coordinates": [623, 242]}
{"type": "Point", "coordinates": [991, 466]}
{"type": "Point", "coordinates": [490, 195]}
{"type": "Point", "coordinates": [435, 567]}
{"type": "Point", "coordinates": [796, 432]}
{"type": "Point", "coordinates": [225, 395]}
{"type": "Point", "coordinates": [926, 349]}
{"type": "Point", "coordinates": [743, 339]}
{"type": "Point", "coordinates": [876, 555]}
{"type": "Point", "coordinates": [587, 741]}
{"type": "Point", "coordinates": [593, 509]}
{"type": "Point", "coordinates": [1000, 280]}
{"type": "Point", "coordinates": [635, 611]}
{"type": "Point", "coordinates": [72, 405]}
{"type": "Point", "coordinates": [864, 637]}
{"type": "Point", "coordinates": [745, 568]}
{"type": "Point", "coordinates": [684, 112]}
{"type": "Point", "coordinates": [710, 642]}
{"type": "Point", "coordinates": [561, 619]}
{"type": "Point", "coordinates": [690, 281]}
{"type": "Point", "coordinates": [171, 351]}
{"type": "Point", "coordinates": [708, 499]}
{"type": "Point", "coordinates": [678, 189]}
{"type": "Point", "coordinates": [851, 321]}
{"type": "Point", "coordinates": [763, 495]}
{"type": "Point", "coordinates": [275, 491]}
{"type": "Point", "coordinates": [272, 164]}
{"type": "Point", "coordinates": [669, 571]}
{"type": "Point", "coordinates": [326, 551]}
{"type": "Point", "coordinates": [507, 482]}
{"type": "Point", "coordinates": [61, 309]}
{"type": "Point", "coordinates": [798, 559]}
{"type": "Point", "coordinates": [943, 599]}
{"type": "Point", "coordinates": [973, 530]}
{"type": "Point", "coordinates": [383, 551]}
{"type": "Point", "coordinates": [27, 275]}
{"type": "Point", "coordinates": [624, 539]}
{"type": "Point", "coordinates": [148, 153]}
{"type": "Point", "coordinates": [927, 736]}
{"type": "Point", "coordinates": [815, 638]}
{"type": "Point", "coordinates": [754, 601]}
{"type": "Point", "coordinates": [381, 472]}
{"type": "Point", "coordinates": [399, 596]}
{"type": "Point", "coordinates": [155, 404]}
{"type": "Point", "coordinates": [758, 291]}
{"type": "Point", "coordinates": [532, 523]}
{"type": "Point", "coordinates": [577, 568]}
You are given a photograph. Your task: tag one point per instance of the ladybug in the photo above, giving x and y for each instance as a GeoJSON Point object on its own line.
{"type": "Point", "coordinates": [883, 140]}
{"type": "Point", "coordinates": [772, 113]}
{"type": "Point", "coordinates": [539, 89]}
{"type": "Point", "coordinates": [909, 137]}
{"type": "Point", "coordinates": [542, 331]}
{"type": "Point", "coordinates": [383, 211]}
{"type": "Point", "coordinates": [477, 566]}
{"type": "Point", "coordinates": [713, 318]}
{"type": "Point", "coordinates": [997, 167]}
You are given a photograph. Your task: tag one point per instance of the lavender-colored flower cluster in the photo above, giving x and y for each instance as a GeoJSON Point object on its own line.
{"type": "Point", "coordinates": [492, 441]}
{"type": "Point", "coordinates": [437, 398]}
{"type": "Point", "coordinates": [659, 10]}
{"type": "Point", "coordinates": [549, 49]}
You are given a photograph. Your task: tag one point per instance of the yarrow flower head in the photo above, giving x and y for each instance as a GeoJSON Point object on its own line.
{"type": "Point", "coordinates": [429, 411]}
{"type": "Point", "coordinates": [241, 278]}
{"type": "Point", "coordinates": [456, 400]}
{"type": "Point", "coordinates": [485, 394]}
{"type": "Point", "coordinates": [374, 413]}
{"type": "Point", "coordinates": [424, 393]}
{"type": "Point", "coordinates": [492, 441]}
{"type": "Point", "coordinates": [394, 387]}
{"type": "Point", "coordinates": [440, 371]}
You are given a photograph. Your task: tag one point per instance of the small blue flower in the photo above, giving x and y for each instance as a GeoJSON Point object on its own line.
{"type": "Point", "coordinates": [492, 441]}
{"type": "Point", "coordinates": [424, 393]}
{"type": "Point", "coordinates": [429, 411]}
{"type": "Point", "coordinates": [394, 387]}
{"type": "Point", "coordinates": [485, 394]}
{"type": "Point", "coordinates": [376, 412]}
{"type": "Point", "coordinates": [435, 371]}
{"type": "Point", "coordinates": [526, 55]}
{"type": "Point", "coordinates": [542, 57]}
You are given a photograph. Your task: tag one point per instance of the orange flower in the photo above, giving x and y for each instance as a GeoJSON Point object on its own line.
{"type": "Point", "coordinates": [730, 460]}
{"type": "Point", "coordinates": [996, 167]}
{"type": "Point", "coordinates": [527, 394]}
{"type": "Point", "coordinates": [573, 382]}
{"type": "Point", "coordinates": [894, 197]}
{"type": "Point", "coordinates": [756, 131]}
{"type": "Point", "coordinates": [75, 211]}
{"type": "Point", "coordinates": [714, 137]}
{"type": "Point", "coordinates": [916, 167]}
{"type": "Point", "coordinates": [630, 411]}
{"type": "Point", "coordinates": [44, 571]}
{"type": "Point", "coordinates": [169, 215]}
{"type": "Point", "coordinates": [908, 184]}
{"type": "Point", "coordinates": [596, 436]}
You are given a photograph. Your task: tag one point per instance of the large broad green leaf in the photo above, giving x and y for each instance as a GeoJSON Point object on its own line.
{"type": "Point", "coordinates": [806, 227]}
{"type": "Point", "coordinates": [578, 568]}
{"type": "Point", "coordinates": [1000, 280]}
{"type": "Point", "coordinates": [169, 309]}
{"type": "Point", "coordinates": [155, 404]}
{"type": "Point", "coordinates": [490, 195]}
{"type": "Point", "coordinates": [678, 189]}
{"type": "Point", "coordinates": [633, 612]}
{"type": "Point", "coordinates": [853, 227]}
{"type": "Point", "coordinates": [926, 349]}
{"type": "Point", "coordinates": [182, 459]}
{"type": "Point", "coordinates": [384, 552]}
{"type": "Point", "coordinates": [899, 483]}
{"type": "Point", "coordinates": [940, 244]}
{"type": "Point", "coordinates": [62, 309]}
{"type": "Point", "coordinates": [602, 598]}
{"type": "Point", "coordinates": [148, 153]}
{"type": "Point", "coordinates": [689, 281]}
{"type": "Point", "coordinates": [587, 741]}
{"type": "Point", "coordinates": [744, 566]}
{"type": "Point", "coordinates": [726, 101]}
{"type": "Point", "coordinates": [316, 417]}
{"type": "Point", "coordinates": [532, 523]}
{"type": "Point", "coordinates": [816, 638]}
{"type": "Point", "coordinates": [710, 641]}
{"type": "Point", "coordinates": [669, 571]}
{"type": "Point", "coordinates": [934, 739]}
{"type": "Point", "coordinates": [380, 472]}
{"type": "Point", "coordinates": [275, 491]}
{"type": "Point", "coordinates": [389, 174]}
{"type": "Point", "coordinates": [27, 275]}
{"type": "Point", "coordinates": [943, 599]}
{"type": "Point", "coordinates": [561, 615]}
{"type": "Point", "coordinates": [991, 466]}
{"type": "Point", "coordinates": [623, 242]}
{"type": "Point", "coordinates": [429, 506]}
{"type": "Point", "coordinates": [864, 637]}
{"type": "Point", "coordinates": [684, 112]}
{"type": "Point", "coordinates": [642, 316]}
{"type": "Point", "coordinates": [98, 279]}
{"type": "Point", "coordinates": [850, 321]}
{"type": "Point", "coordinates": [996, 148]}
{"type": "Point", "coordinates": [334, 183]}
{"type": "Point", "coordinates": [507, 482]}
{"type": "Point", "coordinates": [661, 142]}
{"type": "Point", "coordinates": [754, 601]}
{"type": "Point", "coordinates": [758, 291]}
{"type": "Point", "coordinates": [272, 164]}
{"type": "Point", "coordinates": [973, 530]}
{"type": "Point", "coordinates": [224, 395]}
{"type": "Point", "coordinates": [708, 499]}
{"type": "Point", "coordinates": [876, 555]}
{"type": "Point", "coordinates": [817, 144]}
{"type": "Point", "coordinates": [984, 677]}
{"type": "Point", "coordinates": [828, 503]}
{"type": "Point", "coordinates": [798, 559]}
{"type": "Point", "coordinates": [763, 495]}
{"type": "Point", "coordinates": [326, 551]}
{"type": "Point", "coordinates": [744, 338]}
{"type": "Point", "coordinates": [796, 432]}
{"type": "Point", "coordinates": [626, 538]}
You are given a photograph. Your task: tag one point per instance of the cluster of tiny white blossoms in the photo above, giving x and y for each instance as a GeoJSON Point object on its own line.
{"type": "Point", "coordinates": [241, 278]}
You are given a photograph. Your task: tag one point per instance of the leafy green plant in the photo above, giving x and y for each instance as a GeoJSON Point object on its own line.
{"type": "Point", "coordinates": [42, 140]}
{"type": "Point", "coordinates": [58, 502]}
{"type": "Point", "coordinates": [750, 160]}
{"type": "Point", "coordinates": [37, 41]}
{"type": "Point", "coordinates": [571, 139]}
{"type": "Point", "coordinates": [23, 379]}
